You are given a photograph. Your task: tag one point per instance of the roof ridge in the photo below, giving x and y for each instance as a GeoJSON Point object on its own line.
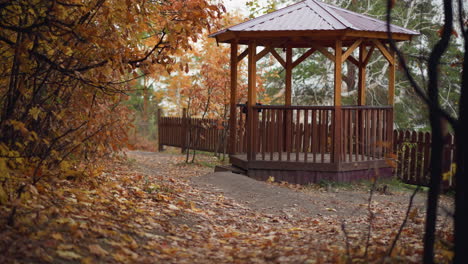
{"type": "Point", "coordinates": [335, 16]}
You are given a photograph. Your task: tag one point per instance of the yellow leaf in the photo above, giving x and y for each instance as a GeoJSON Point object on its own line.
{"type": "Point", "coordinates": [34, 112]}
{"type": "Point", "coordinates": [271, 179]}
{"type": "Point", "coordinates": [68, 255]}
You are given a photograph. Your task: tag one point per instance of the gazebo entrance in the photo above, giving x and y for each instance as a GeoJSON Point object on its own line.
{"type": "Point", "coordinates": [303, 144]}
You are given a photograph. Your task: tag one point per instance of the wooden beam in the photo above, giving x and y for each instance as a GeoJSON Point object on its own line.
{"type": "Point", "coordinates": [391, 80]}
{"type": "Point", "coordinates": [278, 57]}
{"type": "Point", "coordinates": [242, 55]}
{"type": "Point", "coordinates": [262, 53]}
{"type": "Point", "coordinates": [233, 100]}
{"type": "Point", "coordinates": [384, 51]}
{"type": "Point", "coordinates": [303, 57]}
{"type": "Point", "coordinates": [369, 55]}
{"type": "Point", "coordinates": [362, 75]}
{"type": "Point", "coordinates": [288, 81]}
{"type": "Point", "coordinates": [251, 100]}
{"type": "Point", "coordinates": [323, 50]}
{"type": "Point", "coordinates": [353, 60]}
{"type": "Point", "coordinates": [350, 50]}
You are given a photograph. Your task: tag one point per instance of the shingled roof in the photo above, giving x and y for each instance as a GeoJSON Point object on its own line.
{"type": "Point", "coordinates": [310, 17]}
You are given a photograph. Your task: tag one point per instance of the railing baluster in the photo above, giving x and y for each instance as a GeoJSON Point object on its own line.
{"type": "Point", "coordinates": [305, 148]}
{"type": "Point", "coordinates": [298, 133]}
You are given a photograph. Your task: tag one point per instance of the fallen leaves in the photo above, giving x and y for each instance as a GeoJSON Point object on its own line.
{"type": "Point", "coordinates": [150, 213]}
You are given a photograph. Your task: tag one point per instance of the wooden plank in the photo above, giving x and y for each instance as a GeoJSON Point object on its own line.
{"type": "Point", "coordinates": [160, 130]}
{"type": "Point", "coordinates": [345, 134]}
{"type": "Point", "coordinates": [280, 129]}
{"type": "Point", "coordinates": [306, 135]}
{"type": "Point", "coordinates": [356, 135]}
{"type": "Point", "coordinates": [289, 135]}
{"type": "Point", "coordinates": [427, 156]}
{"type": "Point", "coordinates": [278, 57]}
{"type": "Point", "coordinates": [413, 157]}
{"type": "Point", "coordinates": [384, 51]}
{"type": "Point", "coordinates": [368, 136]}
{"type": "Point", "coordinates": [264, 134]}
{"type": "Point", "coordinates": [242, 55]}
{"type": "Point", "coordinates": [271, 142]}
{"type": "Point", "coordinates": [324, 51]}
{"type": "Point", "coordinates": [233, 99]}
{"type": "Point", "coordinates": [298, 134]}
{"type": "Point", "coordinates": [406, 156]}
{"type": "Point", "coordinates": [350, 50]}
{"type": "Point", "coordinates": [262, 53]}
{"type": "Point", "coordinates": [369, 55]}
{"type": "Point", "coordinates": [325, 135]}
{"type": "Point", "coordinates": [315, 135]}
{"type": "Point", "coordinates": [350, 134]}
{"type": "Point", "coordinates": [419, 172]}
{"type": "Point", "coordinates": [374, 133]}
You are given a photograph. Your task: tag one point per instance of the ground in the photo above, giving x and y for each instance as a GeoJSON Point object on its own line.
{"type": "Point", "coordinates": [153, 208]}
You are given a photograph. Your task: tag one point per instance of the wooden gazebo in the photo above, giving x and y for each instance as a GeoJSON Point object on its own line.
{"type": "Point", "coordinates": [303, 144]}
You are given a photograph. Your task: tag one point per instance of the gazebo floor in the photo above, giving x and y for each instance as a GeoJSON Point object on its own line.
{"type": "Point", "coordinates": [298, 170]}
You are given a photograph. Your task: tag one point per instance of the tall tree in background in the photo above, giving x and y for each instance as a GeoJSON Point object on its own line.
{"type": "Point", "coordinates": [438, 116]}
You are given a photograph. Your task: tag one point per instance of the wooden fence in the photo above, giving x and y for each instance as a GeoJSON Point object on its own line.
{"type": "Point", "coordinates": [413, 151]}
{"type": "Point", "coordinates": [195, 133]}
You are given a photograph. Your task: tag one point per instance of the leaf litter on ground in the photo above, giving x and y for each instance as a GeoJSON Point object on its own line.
{"type": "Point", "coordinates": [147, 211]}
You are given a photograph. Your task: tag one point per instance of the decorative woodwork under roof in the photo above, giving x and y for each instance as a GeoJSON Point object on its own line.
{"type": "Point", "coordinates": [309, 20]}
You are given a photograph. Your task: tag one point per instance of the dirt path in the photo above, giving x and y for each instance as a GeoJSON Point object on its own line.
{"type": "Point", "coordinates": [273, 199]}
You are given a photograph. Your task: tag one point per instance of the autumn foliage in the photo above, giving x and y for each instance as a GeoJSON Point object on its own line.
{"type": "Point", "coordinates": [64, 75]}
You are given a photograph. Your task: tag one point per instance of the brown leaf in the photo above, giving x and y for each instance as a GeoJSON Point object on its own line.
{"type": "Point", "coordinates": [97, 250]}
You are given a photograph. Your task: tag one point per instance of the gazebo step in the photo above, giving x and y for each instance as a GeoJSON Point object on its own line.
{"type": "Point", "coordinates": [233, 169]}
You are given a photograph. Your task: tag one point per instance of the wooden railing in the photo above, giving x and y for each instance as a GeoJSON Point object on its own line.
{"type": "Point", "coordinates": [366, 132]}
{"type": "Point", "coordinates": [306, 133]}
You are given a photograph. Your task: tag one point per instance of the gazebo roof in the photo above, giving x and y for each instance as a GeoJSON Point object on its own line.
{"type": "Point", "coordinates": [311, 19]}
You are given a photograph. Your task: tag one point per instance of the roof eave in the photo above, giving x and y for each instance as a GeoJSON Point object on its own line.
{"type": "Point", "coordinates": [227, 36]}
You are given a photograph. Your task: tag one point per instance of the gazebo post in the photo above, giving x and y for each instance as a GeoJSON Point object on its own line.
{"type": "Point", "coordinates": [233, 99]}
{"type": "Point", "coordinates": [251, 100]}
{"type": "Point", "coordinates": [336, 157]}
{"type": "Point", "coordinates": [362, 75]}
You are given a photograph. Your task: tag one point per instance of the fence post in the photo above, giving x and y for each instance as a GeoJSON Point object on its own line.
{"type": "Point", "coordinates": [183, 133]}
{"type": "Point", "coordinates": [160, 146]}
